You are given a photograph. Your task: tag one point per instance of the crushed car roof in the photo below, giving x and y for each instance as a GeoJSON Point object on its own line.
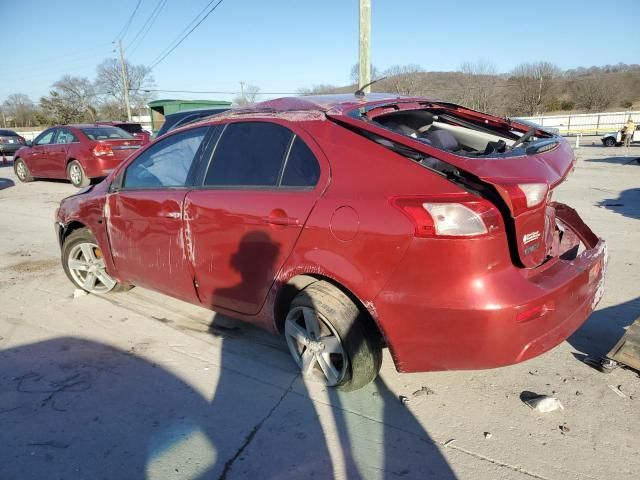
{"type": "Point", "coordinates": [341, 102]}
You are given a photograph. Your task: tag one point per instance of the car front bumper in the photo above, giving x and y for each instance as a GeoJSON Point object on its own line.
{"type": "Point", "coordinates": [492, 317]}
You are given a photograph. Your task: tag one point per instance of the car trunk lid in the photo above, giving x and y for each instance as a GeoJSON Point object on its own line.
{"type": "Point", "coordinates": [546, 161]}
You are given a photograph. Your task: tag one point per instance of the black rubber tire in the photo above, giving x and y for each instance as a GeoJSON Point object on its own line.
{"type": "Point", "coordinates": [27, 177]}
{"type": "Point", "coordinates": [79, 236]}
{"type": "Point", "coordinates": [83, 181]}
{"type": "Point", "coordinates": [609, 142]}
{"type": "Point", "coordinates": [360, 338]}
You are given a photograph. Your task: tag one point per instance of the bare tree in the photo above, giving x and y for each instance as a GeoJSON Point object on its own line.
{"type": "Point", "coordinates": [404, 79]}
{"type": "Point", "coordinates": [72, 99]}
{"type": "Point", "coordinates": [354, 75]}
{"type": "Point", "coordinates": [248, 96]}
{"type": "Point", "coordinates": [593, 93]}
{"type": "Point", "coordinates": [532, 84]}
{"type": "Point", "coordinates": [479, 86]}
{"type": "Point", "coordinates": [19, 109]}
{"type": "Point", "coordinates": [319, 89]}
{"type": "Point", "coordinates": [110, 86]}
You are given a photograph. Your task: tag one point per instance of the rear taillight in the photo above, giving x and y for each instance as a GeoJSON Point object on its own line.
{"type": "Point", "coordinates": [102, 149]}
{"type": "Point", "coordinates": [450, 216]}
{"type": "Point", "coordinates": [525, 196]}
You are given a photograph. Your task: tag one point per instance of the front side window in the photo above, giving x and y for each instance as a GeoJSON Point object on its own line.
{"type": "Point", "coordinates": [166, 163]}
{"type": "Point", "coordinates": [249, 154]}
{"type": "Point", "coordinates": [45, 138]}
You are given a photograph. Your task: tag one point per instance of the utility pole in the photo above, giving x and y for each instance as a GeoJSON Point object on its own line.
{"type": "Point", "coordinates": [364, 70]}
{"type": "Point", "coordinates": [125, 81]}
{"type": "Point", "coordinates": [242, 91]}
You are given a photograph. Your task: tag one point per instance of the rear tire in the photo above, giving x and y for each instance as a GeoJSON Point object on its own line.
{"type": "Point", "coordinates": [76, 174]}
{"type": "Point", "coordinates": [331, 340]}
{"type": "Point", "coordinates": [83, 262]}
{"type": "Point", "coordinates": [22, 171]}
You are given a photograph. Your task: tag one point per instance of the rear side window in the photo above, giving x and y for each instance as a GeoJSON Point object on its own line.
{"type": "Point", "coordinates": [66, 136]}
{"type": "Point", "coordinates": [302, 168]}
{"type": "Point", "coordinates": [166, 163]}
{"type": "Point", "coordinates": [105, 133]}
{"type": "Point", "coordinates": [250, 154]}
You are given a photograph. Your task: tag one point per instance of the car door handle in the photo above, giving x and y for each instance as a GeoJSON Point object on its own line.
{"type": "Point", "coordinates": [275, 219]}
{"type": "Point", "coordinates": [171, 215]}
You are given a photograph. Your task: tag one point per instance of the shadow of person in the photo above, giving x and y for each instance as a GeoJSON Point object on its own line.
{"type": "Point", "coordinates": [604, 328]}
{"type": "Point", "coordinates": [256, 262]}
{"type": "Point", "coordinates": [627, 204]}
{"type": "Point", "coordinates": [363, 434]}
{"type": "Point", "coordinates": [74, 408]}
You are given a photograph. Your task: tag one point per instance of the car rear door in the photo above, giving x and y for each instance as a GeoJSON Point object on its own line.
{"type": "Point", "coordinates": [144, 216]}
{"type": "Point", "coordinates": [243, 221]}
{"type": "Point", "coordinates": [57, 153]}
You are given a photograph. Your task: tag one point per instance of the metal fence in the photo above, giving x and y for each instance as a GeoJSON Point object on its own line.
{"type": "Point", "coordinates": [585, 123]}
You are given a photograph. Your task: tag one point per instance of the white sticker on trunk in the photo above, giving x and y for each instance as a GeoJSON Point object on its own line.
{"type": "Point", "coordinates": [530, 237]}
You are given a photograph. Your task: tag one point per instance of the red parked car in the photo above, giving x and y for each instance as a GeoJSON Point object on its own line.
{"type": "Point", "coordinates": [133, 128]}
{"type": "Point", "coordinates": [76, 152]}
{"type": "Point", "coordinates": [351, 224]}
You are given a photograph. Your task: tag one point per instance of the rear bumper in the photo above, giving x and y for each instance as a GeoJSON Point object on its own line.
{"type": "Point", "coordinates": [10, 148]}
{"type": "Point", "coordinates": [99, 167]}
{"type": "Point", "coordinates": [500, 316]}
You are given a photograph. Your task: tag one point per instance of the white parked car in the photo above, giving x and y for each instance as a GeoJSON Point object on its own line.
{"type": "Point", "coordinates": [615, 139]}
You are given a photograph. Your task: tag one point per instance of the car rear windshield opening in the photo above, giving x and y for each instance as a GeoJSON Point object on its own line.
{"type": "Point", "coordinates": [105, 133]}
{"type": "Point", "coordinates": [131, 127]}
{"type": "Point", "coordinates": [445, 130]}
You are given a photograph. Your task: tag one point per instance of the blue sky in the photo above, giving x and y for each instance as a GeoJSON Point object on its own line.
{"type": "Point", "coordinates": [282, 45]}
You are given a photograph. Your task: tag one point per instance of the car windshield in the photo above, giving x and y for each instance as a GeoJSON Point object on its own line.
{"type": "Point", "coordinates": [105, 133]}
{"type": "Point", "coordinates": [131, 127]}
{"type": "Point", "coordinates": [8, 133]}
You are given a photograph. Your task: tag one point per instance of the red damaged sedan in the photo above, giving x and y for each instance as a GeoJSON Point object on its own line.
{"type": "Point", "coordinates": [350, 225]}
{"type": "Point", "coordinates": [75, 152]}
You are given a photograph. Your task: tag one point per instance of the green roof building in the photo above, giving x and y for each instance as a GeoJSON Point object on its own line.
{"type": "Point", "coordinates": [159, 108]}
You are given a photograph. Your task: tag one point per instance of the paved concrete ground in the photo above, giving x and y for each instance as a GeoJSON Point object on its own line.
{"type": "Point", "coordinates": [138, 385]}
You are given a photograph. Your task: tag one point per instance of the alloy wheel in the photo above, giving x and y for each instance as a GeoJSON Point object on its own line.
{"type": "Point", "coordinates": [21, 170]}
{"type": "Point", "coordinates": [315, 346]}
{"type": "Point", "coordinates": [75, 174]}
{"type": "Point", "coordinates": [87, 268]}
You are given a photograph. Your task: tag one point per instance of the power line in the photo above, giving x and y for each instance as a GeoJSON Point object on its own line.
{"type": "Point", "coordinates": [150, 21]}
{"type": "Point", "coordinates": [124, 30]}
{"type": "Point", "coordinates": [156, 62]}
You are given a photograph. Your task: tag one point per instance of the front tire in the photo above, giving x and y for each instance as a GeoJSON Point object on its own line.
{"type": "Point", "coordinates": [76, 174]}
{"type": "Point", "coordinates": [331, 340]}
{"type": "Point", "coordinates": [609, 142]}
{"type": "Point", "coordinates": [22, 171]}
{"type": "Point", "coordinates": [83, 262]}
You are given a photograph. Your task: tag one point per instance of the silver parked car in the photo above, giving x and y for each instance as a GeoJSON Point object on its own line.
{"type": "Point", "coordinates": [615, 139]}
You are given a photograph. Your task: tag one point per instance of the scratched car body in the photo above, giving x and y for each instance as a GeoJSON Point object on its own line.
{"type": "Point", "coordinates": [352, 224]}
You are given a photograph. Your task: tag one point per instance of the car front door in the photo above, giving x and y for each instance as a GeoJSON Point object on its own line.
{"type": "Point", "coordinates": [144, 216]}
{"type": "Point", "coordinates": [243, 221]}
{"type": "Point", "coordinates": [37, 158]}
